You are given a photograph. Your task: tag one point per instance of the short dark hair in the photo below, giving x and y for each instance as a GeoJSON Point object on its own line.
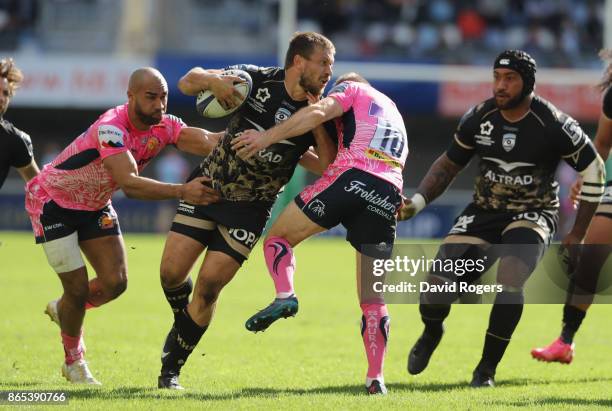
{"type": "Point", "coordinates": [304, 44]}
{"type": "Point", "coordinates": [351, 76]}
{"type": "Point", "coordinates": [11, 73]}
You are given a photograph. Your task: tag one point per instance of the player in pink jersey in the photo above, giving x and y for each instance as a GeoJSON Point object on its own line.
{"type": "Point", "coordinates": [69, 202]}
{"type": "Point", "coordinates": [361, 189]}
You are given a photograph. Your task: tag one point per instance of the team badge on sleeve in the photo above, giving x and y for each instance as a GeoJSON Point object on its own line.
{"type": "Point", "coordinates": [110, 136]}
{"type": "Point", "coordinates": [573, 130]}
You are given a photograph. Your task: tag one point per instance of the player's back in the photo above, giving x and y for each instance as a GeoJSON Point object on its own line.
{"type": "Point", "coordinates": [372, 135]}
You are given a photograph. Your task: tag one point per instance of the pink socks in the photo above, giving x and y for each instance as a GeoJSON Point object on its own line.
{"type": "Point", "coordinates": [375, 331]}
{"type": "Point", "coordinates": [281, 265]}
{"type": "Point", "coordinates": [73, 347]}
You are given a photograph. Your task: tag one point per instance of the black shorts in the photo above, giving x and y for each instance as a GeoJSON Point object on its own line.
{"type": "Point", "coordinates": [58, 222]}
{"type": "Point", "coordinates": [363, 203]}
{"type": "Point", "coordinates": [487, 235]}
{"type": "Point", "coordinates": [232, 227]}
{"type": "Point", "coordinates": [605, 207]}
{"type": "Point", "coordinates": [490, 226]}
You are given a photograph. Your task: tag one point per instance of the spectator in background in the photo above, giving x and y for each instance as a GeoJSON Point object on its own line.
{"type": "Point", "coordinates": [16, 19]}
{"type": "Point", "coordinates": [431, 30]}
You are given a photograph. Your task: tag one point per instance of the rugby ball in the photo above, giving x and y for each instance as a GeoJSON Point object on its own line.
{"type": "Point", "coordinates": [208, 106]}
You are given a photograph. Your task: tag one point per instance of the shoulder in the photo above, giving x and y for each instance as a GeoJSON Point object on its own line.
{"type": "Point", "coordinates": [171, 120]}
{"type": "Point", "coordinates": [546, 112]}
{"type": "Point", "coordinates": [480, 112]}
{"type": "Point", "coordinates": [261, 73]}
{"type": "Point", "coordinates": [346, 87]}
{"type": "Point", "coordinates": [111, 128]}
{"type": "Point", "coordinates": [558, 124]}
{"type": "Point", "coordinates": [13, 133]}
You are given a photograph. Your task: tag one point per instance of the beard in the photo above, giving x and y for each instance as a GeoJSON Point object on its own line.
{"type": "Point", "coordinates": [312, 87]}
{"type": "Point", "coordinates": [148, 119]}
{"type": "Point", "coordinates": [510, 103]}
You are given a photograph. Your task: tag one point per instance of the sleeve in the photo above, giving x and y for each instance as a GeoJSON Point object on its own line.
{"type": "Point", "coordinates": [175, 125]}
{"type": "Point", "coordinates": [111, 139]}
{"type": "Point", "coordinates": [573, 145]}
{"type": "Point", "coordinates": [22, 151]}
{"type": "Point", "coordinates": [568, 135]}
{"type": "Point", "coordinates": [607, 103]}
{"type": "Point", "coordinates": [462, 147]}
{"type": "Point", "coordinates": [344, 93]}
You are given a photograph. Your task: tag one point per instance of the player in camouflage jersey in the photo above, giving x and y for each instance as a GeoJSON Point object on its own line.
{"type": "Point", "coordinates": [597, 243]}
{"type": "Point", "coordinates": [230, 229]}
{"type": "Point", "coordinates": [519, 139]}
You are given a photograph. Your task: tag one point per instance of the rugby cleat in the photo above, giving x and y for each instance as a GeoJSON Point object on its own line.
{"type": "Point", "coordinates": [421, 352]}
{"type": "Point", "coordinates": [78, 373]}
{"type": "Point", "coordinates": [482, 380]}
{"type": "Point", "coordinates": [557, 351]}
{"type": "Point", "coordinates": [52, 312]}
{"type": "Point", "coordinates": [376, 388]}
{"type": "Point", "coordinates": [169, 382]}
{"type": "Point", "coordinates": [280, 308]}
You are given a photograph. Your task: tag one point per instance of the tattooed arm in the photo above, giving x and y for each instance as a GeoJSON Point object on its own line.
{"type": "Point", "coordinates": [440, 175]}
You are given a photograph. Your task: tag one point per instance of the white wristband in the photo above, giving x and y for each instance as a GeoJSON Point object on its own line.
{"type": "Point", "coordinates": [419, 202]}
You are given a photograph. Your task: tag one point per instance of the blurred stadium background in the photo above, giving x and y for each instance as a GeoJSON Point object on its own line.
{"type": "Point", "coordinates": [432, 57]}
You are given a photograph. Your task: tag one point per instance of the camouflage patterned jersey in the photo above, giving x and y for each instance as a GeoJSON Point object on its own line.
{"type": "Point", "coordinates": [518, 160]}
{"type": "Point", "coordinates": [261, 177]}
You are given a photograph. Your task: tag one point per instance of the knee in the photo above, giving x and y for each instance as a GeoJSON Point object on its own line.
{"type": "Point", "coordinates": [170, 276]}
{"type": "Point", "coordinates": [116, 285]}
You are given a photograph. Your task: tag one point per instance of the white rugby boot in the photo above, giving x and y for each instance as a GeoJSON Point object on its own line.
{"type": "Point", "coordinates": [78, 373]}
{"type": "Point", "coordinates": [51, 311]}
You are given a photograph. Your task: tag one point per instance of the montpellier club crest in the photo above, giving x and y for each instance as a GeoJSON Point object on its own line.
{"type": "Point", "coordinates": [508, 141]}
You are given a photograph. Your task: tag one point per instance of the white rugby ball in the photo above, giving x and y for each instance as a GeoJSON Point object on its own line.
{"type": "Point", "coordinates": [208, 106]}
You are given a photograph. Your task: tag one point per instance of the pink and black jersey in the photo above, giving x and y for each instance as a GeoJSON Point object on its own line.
{"type": "Point", "coordinates": [77, 178]}
{"type": "Point", "coordinates": [372, 136]}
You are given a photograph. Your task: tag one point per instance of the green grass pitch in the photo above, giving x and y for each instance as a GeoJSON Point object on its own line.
{"type": "Point", "coordinates": [313, 361]}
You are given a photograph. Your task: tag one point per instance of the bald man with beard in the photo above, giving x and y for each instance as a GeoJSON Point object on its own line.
{"type": "Point", "coordinates": [69, 202]}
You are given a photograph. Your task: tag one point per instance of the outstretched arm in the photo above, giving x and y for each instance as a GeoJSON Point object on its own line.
{"type": "Point", "coordinates": [124, 172]}
{"type": "Point", "coordinates": [197, 141]}
{"type": "Point", "coordinates": [251, 141]}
